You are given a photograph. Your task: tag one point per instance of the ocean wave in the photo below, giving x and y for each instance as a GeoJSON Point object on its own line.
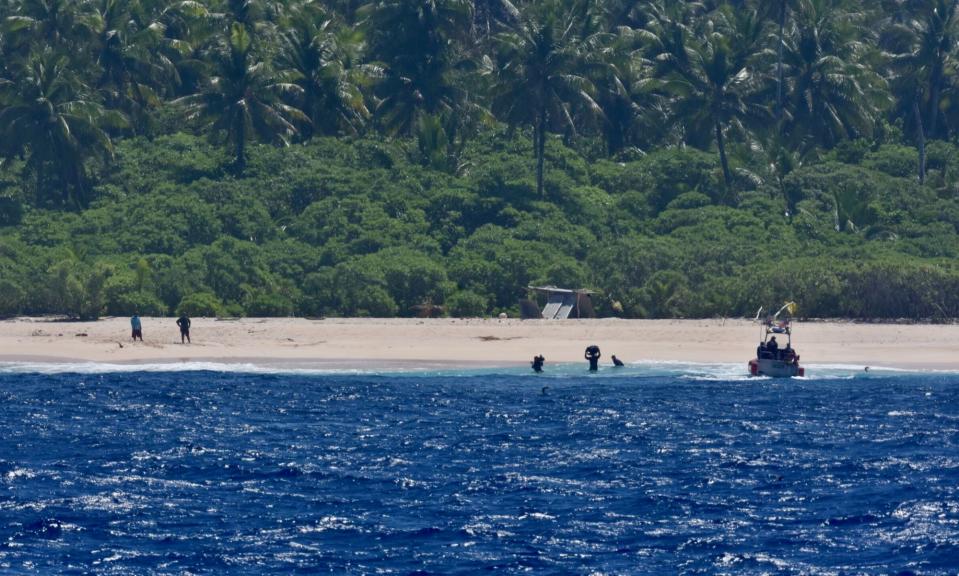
{"type": "Point", "coordinates": [713, 371]}
{"type": "Point", "coordinates": [192, 366]}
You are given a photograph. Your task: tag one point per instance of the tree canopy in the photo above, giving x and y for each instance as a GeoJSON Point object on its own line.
{"type": "Point", "coordinates": [369, 157]}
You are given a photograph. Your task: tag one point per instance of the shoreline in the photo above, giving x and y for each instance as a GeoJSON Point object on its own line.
{"type": "Point", "coordinates": [412, 343]}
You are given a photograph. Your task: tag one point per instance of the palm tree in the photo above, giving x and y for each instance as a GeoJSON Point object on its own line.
{"type": "Point", "coordinates": [242, 100]}
{"type": "Point", "coordinates": [778, 12]}
{"type": "Point", "coordinates": [131, 69]}
{"type": "Point", "coordinates": [776, 160]}
{"type": "Point", "coordinates": [416, 41]}
{"type": "Point", "coordinates": [832, 93]}
{"type": "Point", "coordinates": [62, 24]}
{"type": "Point", "coordinates": [618, 91]}
{"type": "Point", "coordinates": [488, 15]}
{"type": "Point", "coordinates": [710, 81]}
{"type": "Point", "coordinates": [56, 121]}
{"type": "Point", "coordinates": [324, 61]}
{"type": "Point", "coordinates": [539, 80]}
{"type": "Point", "coordinates": [920, 37]}
{"type": "Point", "coordinates": [191, 34]}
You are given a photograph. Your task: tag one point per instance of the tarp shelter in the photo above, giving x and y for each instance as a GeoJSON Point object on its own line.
{"type": "Point", "coordinates": [561, 303]}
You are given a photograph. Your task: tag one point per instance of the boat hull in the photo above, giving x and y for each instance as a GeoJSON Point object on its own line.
{"type": "Point", "coordinates": [775, 368]}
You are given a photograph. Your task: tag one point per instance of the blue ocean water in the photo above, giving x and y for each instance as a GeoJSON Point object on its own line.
{"type": "Point", "coordinates": [649, 470]}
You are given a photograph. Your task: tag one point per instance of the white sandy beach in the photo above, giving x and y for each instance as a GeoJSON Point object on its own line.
{"type": "Point", "coordinates": [359, 343]}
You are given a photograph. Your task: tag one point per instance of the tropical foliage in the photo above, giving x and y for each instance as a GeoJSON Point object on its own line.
{"type": "Point", "coordinates": [383, 157]}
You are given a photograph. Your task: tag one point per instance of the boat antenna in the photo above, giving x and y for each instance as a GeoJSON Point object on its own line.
{"type": "Point", "coordinates": [762, 326]}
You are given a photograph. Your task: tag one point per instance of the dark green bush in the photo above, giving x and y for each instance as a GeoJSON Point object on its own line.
{"type": "Point", "coordinates": [341, 227]}
{"type": "Point", "coordinates": [11, 298]}
{"type": "Point", "coordinates": [200, 304]}
{"type": "Point", "coordinates": [467, 304]}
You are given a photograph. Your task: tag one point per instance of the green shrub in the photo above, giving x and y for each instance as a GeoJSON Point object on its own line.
{"type": "Point", "coordinates": [77, 290]}
{"type": "Point", "coordinates": [900, 161]}
{"type": "Point", "coordinates": [374, 301]}
{"type": "Point", "coordinates": [142, 303]}
{"type": "Point", "coordinates": [11, 298]}
{"type": "Point", "coordinates": [11, 208]}
{"type": "Point", "coordinates": [200, 304]}
{"type": "Point", "coordinates": [467, 304]}
{"type": "Point", "coordinates": [267, 304]}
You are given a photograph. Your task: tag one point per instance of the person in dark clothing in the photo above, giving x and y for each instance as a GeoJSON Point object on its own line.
{"type": "Point", "coordinates": [789, 355]}
{"type": "Point", "coordinates": [773, 347]}
{"type": "Point", "coordinates": [593, 354]}
{"type": "Point", "coordinates": [538, 363]}
{"type": "Point", "coordinates": [137, 327]}
{"type": "Point", "coordinates": [617, 362]}
{"type": "Point", "coordinates": [184, 323]}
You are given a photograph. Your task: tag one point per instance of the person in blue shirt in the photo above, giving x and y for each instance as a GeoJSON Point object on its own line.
{"type": "Point", "coordinates": [137, 327]}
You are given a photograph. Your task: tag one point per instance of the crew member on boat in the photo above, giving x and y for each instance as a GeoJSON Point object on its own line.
{"type": "Point", "coordinates": [772, 346]}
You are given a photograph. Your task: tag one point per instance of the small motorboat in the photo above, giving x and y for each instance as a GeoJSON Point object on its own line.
{"type": "Point", "coordinates": [772, 359]}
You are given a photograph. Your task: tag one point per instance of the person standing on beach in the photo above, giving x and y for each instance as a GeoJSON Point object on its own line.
{"type": "Point", "coordinates": [137, 327]}
{"type": "Point", "coordinates": [184, 323]}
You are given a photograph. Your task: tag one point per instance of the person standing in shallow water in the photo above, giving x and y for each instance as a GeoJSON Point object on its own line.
{"type": "Point", "coordinates": [137, 327]}
{"type": "Point", "coordinates": [538, 363]}
{"type": "Point", "coordinates": [593, 354]}
{"type": "Point", "coordinates": [184, 323]}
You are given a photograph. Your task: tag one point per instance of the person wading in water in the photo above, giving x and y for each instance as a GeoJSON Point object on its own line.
{"type": "Point", "coordinates": [593, 354]}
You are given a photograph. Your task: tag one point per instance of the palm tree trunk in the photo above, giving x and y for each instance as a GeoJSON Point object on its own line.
{"type": "Point", "coordinates": [779, 65]}
{"type": "Point", "coordinates": [934, 92]}
{"type": "Point", "coordinates": [240, 160]}
{"type": "Point", "coordinates": [240, 155]}
{"type": "Point", "coordinates": [727, 175]}
{"type": "Point", "coordinates": [451, 151]}
{"type": "Point", "coordinates": [539, 141]}
{"type": "Point", "coordinates": [79, 186]}
{"type": "Point", "coordinates": [921, 136]}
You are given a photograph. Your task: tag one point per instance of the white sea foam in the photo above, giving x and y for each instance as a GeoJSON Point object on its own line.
{"type": "Point", "coordinates": [723, 372]}
{"type": "Point", "coordinates": [193, 366]}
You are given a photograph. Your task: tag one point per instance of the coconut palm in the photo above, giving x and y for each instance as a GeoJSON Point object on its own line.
{"type": "Point", "coordinates": [921, 37]}
{"type": "Point", "coordinates": [417, 42]}
{"type": "Point", "coordinates": [489, 15]}
{"type": "Point", "coordinates": [538, 79]}
{"type": "Point", "coordinates": [710, 81]}
{"type": "Point", "coordinates": [132, 71]}
{"type": "Point", "coordinates": [62, 24]}
{"type": "Point", "coordinates": [191, 35]}
{"type": "Point", "coordinates": [625, 107]}
{"type": "Point", "coordinates": [242, 100]}
{"type": "Point", "coordinates": [778, 11]}
{"type": "Point", "coordinates": [57, 123]}
{"type": "Point", "coordinates": [831, 92]}
{"type": "Point", "coordinates": [325, 62]}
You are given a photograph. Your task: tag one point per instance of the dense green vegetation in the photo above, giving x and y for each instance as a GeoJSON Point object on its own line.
{"type": "Point", "coordinates": [686, 159]}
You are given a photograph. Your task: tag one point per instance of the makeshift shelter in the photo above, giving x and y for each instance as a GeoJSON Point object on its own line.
{"type": "Point", "coordinates": [561, 303]}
